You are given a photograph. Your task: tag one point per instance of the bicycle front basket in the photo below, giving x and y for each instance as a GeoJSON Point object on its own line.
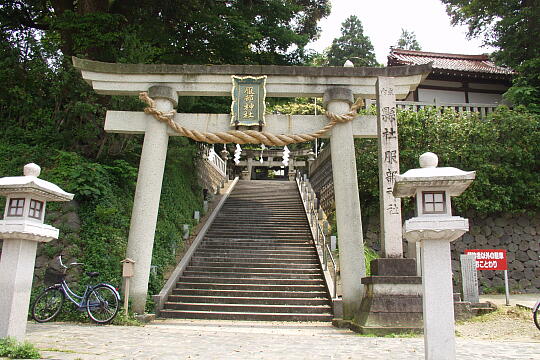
{"type": "Point", "coordinates": [53, 276]}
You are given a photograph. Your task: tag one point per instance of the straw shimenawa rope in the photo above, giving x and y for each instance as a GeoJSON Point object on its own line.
{"type": "Point", "coordinates": [246, 136]}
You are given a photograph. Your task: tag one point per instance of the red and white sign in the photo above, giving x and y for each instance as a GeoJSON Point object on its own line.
{"type": "Point", "coordinates": [489, 259]}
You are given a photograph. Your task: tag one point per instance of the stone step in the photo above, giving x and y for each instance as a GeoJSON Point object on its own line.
{"type": "Point", "coordinates": [251, 293]}
{"type": "Point", "coordinates": [249, 300]}
{"type": "Point", "coordinates": [231, 236]}
{"type": "Point", "coordinates": [267, 219]}
{"type": "Point", "coordinates": [232, 255]}
{"type": "Point", "coordinates": [264, 194]}
{"type": "Point", "coordinates": [247, 265]}
{"type": "Point", "coordinates": [233, 239]}
{"type": "Point", "coordinates": [274, 275]}
{"type": "Point", "coordinates": [251, 246]}
{"type": "Point", "coordinates": [239, 252]}
{"type": "Point", "coordinates": [256, 281]}
{"type": "Point", "coordinates": [284, 204]}
{"type": "Point", "coordinates": [284, 207]}
{"type": "Point", "coordinates": [278, 235]}
{"type": "Point", "coordinates": [254, 217]}
{"type": "Point", "coordinates": [245, 316]}
{"type": "Point", "coordinates": [248, 287]}
{"type": "Point", "coordinates": [254, 308]}
{"type": "Point", "coordinates": [256, 260]}
{"type": "Point", "coordinates": [254, 269]}
{"type": "Point", "coordinates": [261, 226]}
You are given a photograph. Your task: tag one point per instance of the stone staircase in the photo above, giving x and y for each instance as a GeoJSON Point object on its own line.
{"type": "Point", "coordinates": [257, 262]}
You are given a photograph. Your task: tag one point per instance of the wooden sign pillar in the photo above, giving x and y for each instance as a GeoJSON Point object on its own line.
{"type": "Point", "coordinates": [387, 135]}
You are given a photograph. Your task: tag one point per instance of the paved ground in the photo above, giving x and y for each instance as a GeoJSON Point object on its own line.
{"type": "Point", "coordinates": [212, 339]}
{"type": "Point", "coordinates": [523, 300]}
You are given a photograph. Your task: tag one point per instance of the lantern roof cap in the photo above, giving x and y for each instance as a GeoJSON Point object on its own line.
{"type": "Point", "coordinates": [30, 183]}
{"type": "Point", "coordinates": [429, 175]}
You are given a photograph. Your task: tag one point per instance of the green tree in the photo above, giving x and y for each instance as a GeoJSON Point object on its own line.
{"type": "Point", "coordinates": [511, 26]}
{"type": "Point", "coordinates": [352, 45]}
{"type": "Point", "coordinates": [38, 38]}
{"type": "Point", "coordinates": [173, 31]}
{"type": "Point", "coordinates": [407, 41]}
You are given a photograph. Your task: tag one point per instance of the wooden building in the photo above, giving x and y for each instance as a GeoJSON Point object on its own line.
{"type": "Point", "coordinates": [455, 78]}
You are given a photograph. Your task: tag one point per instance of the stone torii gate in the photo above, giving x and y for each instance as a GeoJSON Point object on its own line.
{"type": "Point", "coordinates": [339, 86]}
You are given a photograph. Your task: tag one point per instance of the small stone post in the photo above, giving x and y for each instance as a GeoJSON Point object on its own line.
{"type": "Point", "coordinates": [147, 195]}
{"type": "Point", "coordinates": [434, 228]}
{"type": "Point", "coordinates": [348, 216]}
{"type": "Point", "coordinates": [21, 230]}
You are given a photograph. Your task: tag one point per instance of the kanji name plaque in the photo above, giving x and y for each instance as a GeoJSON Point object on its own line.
{"type": "Point", "coordinates": [248, 100]}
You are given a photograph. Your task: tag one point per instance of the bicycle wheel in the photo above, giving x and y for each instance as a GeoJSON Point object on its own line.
{"type": "Point", "coordinates": [536, 318]}
{"type": "Point", "coordinates": [102, 304]}
{"type": "Point", "coordinates": [47, 305]}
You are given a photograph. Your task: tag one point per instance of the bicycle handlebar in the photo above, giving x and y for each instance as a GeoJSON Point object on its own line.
{"type": "Point", "coordinates": [70, 264]}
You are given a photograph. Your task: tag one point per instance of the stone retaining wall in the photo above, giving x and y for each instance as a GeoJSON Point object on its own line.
{"type": "Point", "coordinates": [518, 234]}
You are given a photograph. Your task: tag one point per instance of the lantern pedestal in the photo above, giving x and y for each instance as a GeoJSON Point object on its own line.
{"type": "Point", "coordinates": [16, 275]}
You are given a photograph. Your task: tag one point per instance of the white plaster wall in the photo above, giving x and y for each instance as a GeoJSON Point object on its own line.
{"type": "Point", "coordinates": [441, 83]}
{"type": "Point", "coordinates": [480, 98]}
{"type": "Point", "coordinates": [441, 96]}
{"type": "Point", "coordinates": [488, 86]}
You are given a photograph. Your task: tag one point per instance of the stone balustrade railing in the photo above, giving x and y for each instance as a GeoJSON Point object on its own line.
{"type": "Point", "coordinates": [316, 218]}
{"type": "Point", "coordinates": [215, 160]}
{"type": "Point", "coordinates": [482, 109]}
{"type": "Point", "coordinates": [321, 179]}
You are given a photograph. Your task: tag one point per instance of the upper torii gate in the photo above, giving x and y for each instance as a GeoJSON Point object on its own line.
{"type": "Point", "coordinates": [338, 86]}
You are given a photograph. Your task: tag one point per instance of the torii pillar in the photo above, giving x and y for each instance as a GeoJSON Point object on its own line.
{"type": "Point", "coordinates": [348, 215]}
{"type": "Point", "coordinates": [147, 194]}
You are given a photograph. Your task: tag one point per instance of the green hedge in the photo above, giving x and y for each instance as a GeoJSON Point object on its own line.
{"type": "Point", "coordinates": [503, 150]}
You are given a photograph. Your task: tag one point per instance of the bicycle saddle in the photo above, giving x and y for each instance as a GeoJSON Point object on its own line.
{"type": "Point", "coordinates": [92, 273]}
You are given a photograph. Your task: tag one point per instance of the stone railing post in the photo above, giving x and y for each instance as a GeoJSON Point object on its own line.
{"type": "Point", "coordinates": [147, 195]}
{"type": "Point", "coordinates": [348, 216]}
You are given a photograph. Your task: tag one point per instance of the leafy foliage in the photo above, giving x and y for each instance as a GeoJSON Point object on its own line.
{"type": "Point", "coordinates": [12, 349]}
{"type": "Point", "coordinates": [526, 87]}
{"type": "Point", "coordinates": [407, 41]}
{"type": "Point", "coordinates": [512, 26]}
{"type": "Point", "coordinates": [172, 31]}
{"type": "Point", "coordinates": [352, 45]}
{"type": "Point", "coordinates": [501, 149]}
{"type": "Point", "coordinates": [299, 106]}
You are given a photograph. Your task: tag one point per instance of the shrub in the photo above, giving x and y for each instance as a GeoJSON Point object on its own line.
{"type": "Point", "coordinates": [12, 349]}
{"type": "Point", "coordinates": [502, 149]}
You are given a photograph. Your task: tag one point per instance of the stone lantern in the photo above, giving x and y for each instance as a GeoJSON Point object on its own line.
{"type": "Point", "coordinates": [433, 228]}
{"type": "Point", "coordinates": [21, 229]}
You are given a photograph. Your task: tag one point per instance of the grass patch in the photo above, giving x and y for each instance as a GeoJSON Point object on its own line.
{"type": "Point", "coordinates": [12, 349]}
{"type": "Point", "coordinates": [59, 350]}
{"type": "Point", "coordinates": [512, 312]}
{"type": "Point", "coordinates": [122, 320]}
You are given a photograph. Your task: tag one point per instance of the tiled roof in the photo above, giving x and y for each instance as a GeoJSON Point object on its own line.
{"type": "Point", "coordinates": [448, 63]}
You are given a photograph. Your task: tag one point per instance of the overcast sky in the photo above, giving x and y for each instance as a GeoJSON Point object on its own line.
{"type": "Point", "coordinates": [383, 19]}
